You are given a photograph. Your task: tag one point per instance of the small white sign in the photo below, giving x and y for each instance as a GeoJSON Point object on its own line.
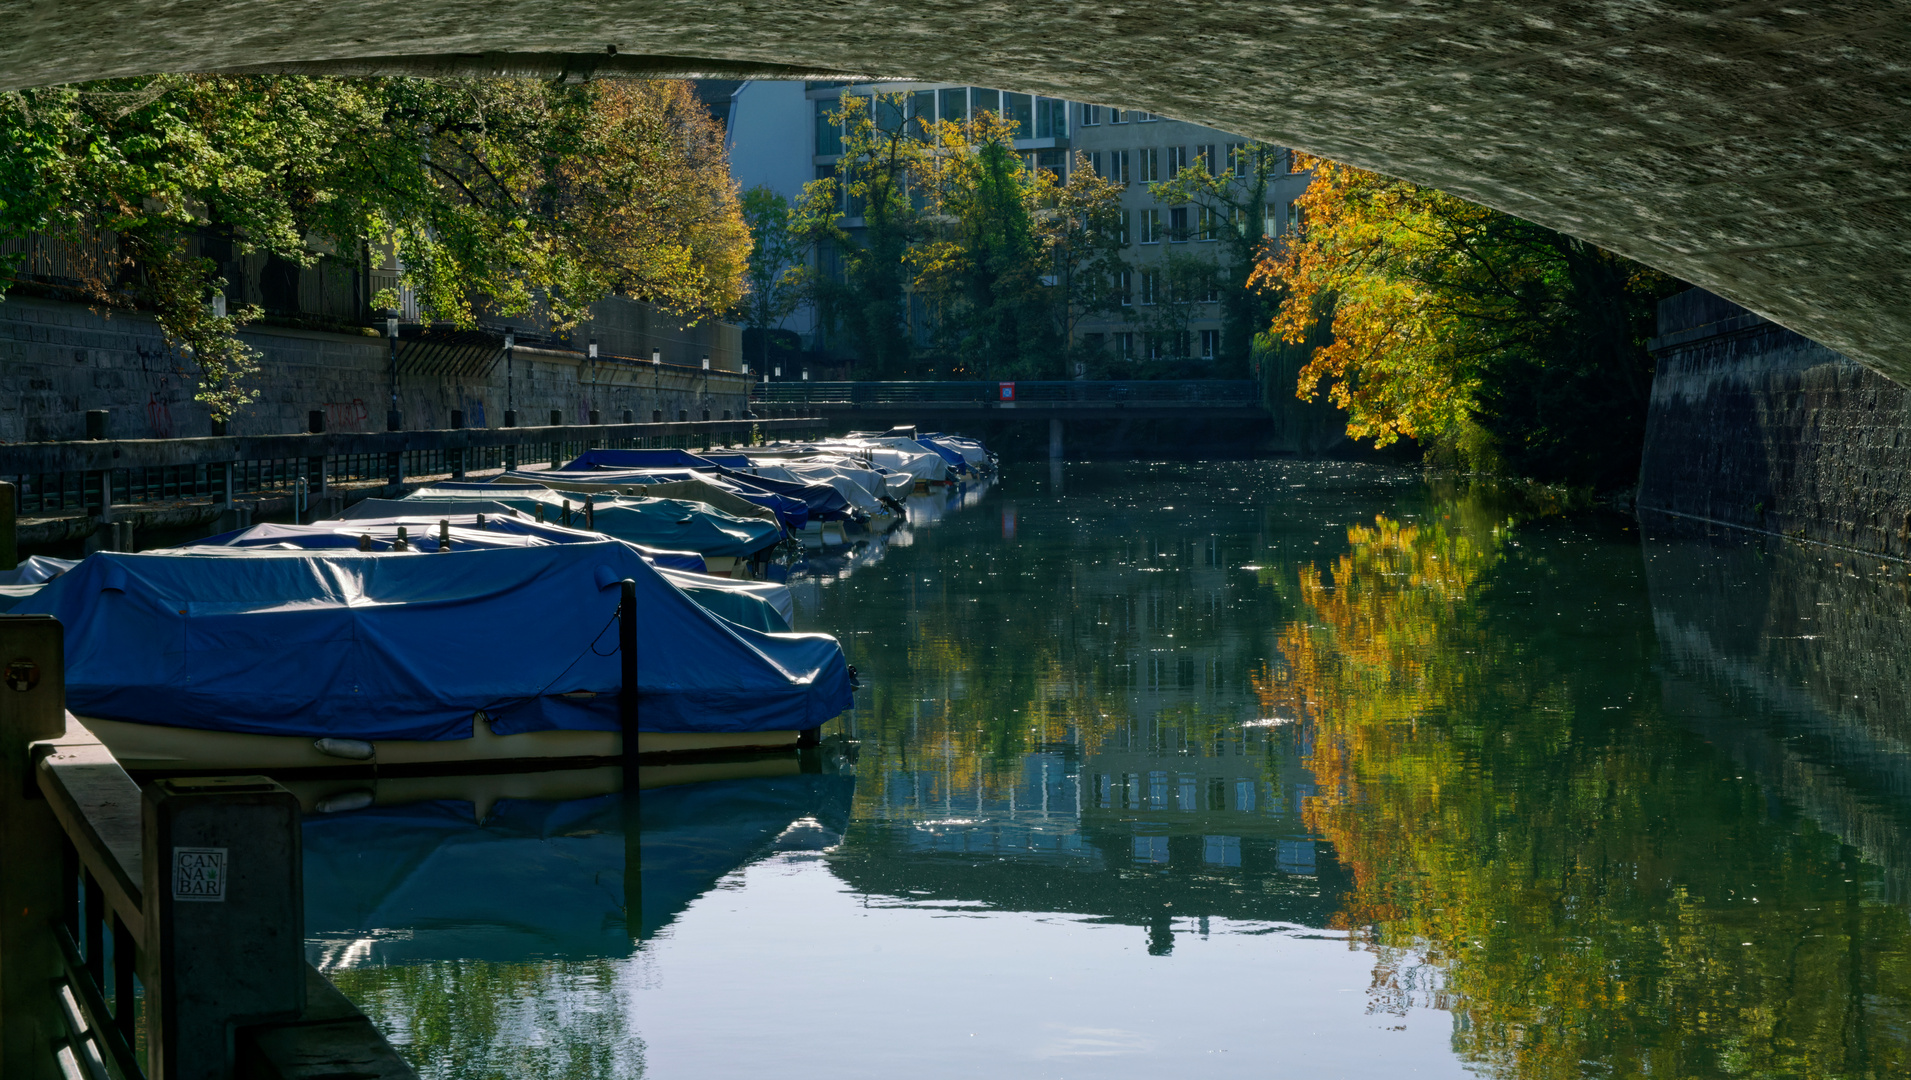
{"type": "Point", "coordinates": [199, 873]}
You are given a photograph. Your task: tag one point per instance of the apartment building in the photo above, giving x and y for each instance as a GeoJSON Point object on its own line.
{"type": "Point", "coordinates": [782, 136]}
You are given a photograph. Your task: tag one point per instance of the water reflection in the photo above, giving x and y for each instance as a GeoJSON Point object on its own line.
{"type": "Point", "coordinates": [1311, 769]}
{"type": "Point", "coordinates": [486, 923]}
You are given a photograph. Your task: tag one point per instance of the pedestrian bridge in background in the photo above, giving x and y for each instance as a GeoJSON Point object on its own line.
{"type": "Point", "coordinates": [1758, 148]}
{"type": "Point", "coordinates": [866, 405]}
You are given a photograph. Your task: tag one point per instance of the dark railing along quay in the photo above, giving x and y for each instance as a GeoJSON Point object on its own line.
{"type": "Point", "coordinates": [164, 923]}
{"type": "Point", "coordinates": [1193, 393]}
{"type": "Point", "coordinates": [82, 481]}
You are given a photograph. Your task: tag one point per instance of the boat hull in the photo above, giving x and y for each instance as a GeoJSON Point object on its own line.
{"type": "Point", "coordinates": [156, 748]}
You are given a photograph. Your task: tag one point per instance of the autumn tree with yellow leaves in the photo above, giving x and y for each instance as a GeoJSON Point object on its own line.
{"type": "Point", "coordinates": [1497, 342]}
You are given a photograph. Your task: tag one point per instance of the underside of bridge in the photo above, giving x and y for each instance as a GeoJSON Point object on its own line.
{"type": "Point", "coordinates": [1756, 149]}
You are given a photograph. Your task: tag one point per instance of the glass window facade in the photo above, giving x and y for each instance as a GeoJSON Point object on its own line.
{"type": "Point", "coordinates": [1019, 109]}
{"type": "Point", "coordinates": [955, 103]}
{"type": "Point", "coordinates": [983, 100]}
{"type": "Point", "coordinates": [1051, 118]}
{"type": "Point", "coordinates": [829, 133]}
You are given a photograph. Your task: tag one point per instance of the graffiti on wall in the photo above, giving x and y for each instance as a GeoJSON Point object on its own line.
{"type": "Point", "coordinates": [347, 415]}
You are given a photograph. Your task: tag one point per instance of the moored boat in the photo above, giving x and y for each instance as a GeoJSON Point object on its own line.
{"type": "Point", "coordinates": [284, 659]}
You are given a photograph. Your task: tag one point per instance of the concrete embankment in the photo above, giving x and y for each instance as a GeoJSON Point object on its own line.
{"type": "Point", "coordinates": [1756, 427]}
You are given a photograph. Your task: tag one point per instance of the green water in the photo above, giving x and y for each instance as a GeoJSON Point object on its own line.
{"type": "Point", "coordinates": [1257, 769]}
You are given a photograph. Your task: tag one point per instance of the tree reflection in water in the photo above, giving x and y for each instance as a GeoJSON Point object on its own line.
{"type": "Point", "coordinates": [1597, 889]}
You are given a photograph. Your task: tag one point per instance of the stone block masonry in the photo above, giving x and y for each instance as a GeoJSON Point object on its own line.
{"type": "Point", "coordinates": [1754, 426]}
{"type": "Point", "coordinates": [60, 360]}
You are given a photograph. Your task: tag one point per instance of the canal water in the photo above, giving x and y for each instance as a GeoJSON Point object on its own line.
{"type": "Point", "coordinates": [1271, 769]}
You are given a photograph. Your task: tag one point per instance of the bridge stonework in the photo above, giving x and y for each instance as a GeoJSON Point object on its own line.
{"type": "Point", "coordinates": [1756, 427]}
{"type": "Point", "coordinates": [1757, 149]}
{"type": "Point", "coordinates": [59, 360]}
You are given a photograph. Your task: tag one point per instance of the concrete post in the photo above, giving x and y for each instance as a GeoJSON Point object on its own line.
{"type": "Point", "coordinates": [1055, 438]}
{"type": "Point", "coordinates": [9, 526]}
{"type": "Point", "coordinates": [32, 706]}
{"type": "Point", "coordinates": [225, 918]}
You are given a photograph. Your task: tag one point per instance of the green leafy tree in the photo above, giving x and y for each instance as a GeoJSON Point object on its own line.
{"type": "Point", "coordinates": [882, 153]}
{"type": "Point", "coordinates": [1486, 337]}
{"type": "Point", "coordinates": [1078, 226]}
{"type": "Point", "coordinates": [1175, 292]}
{"type": "Point", "coordinates": [504, 195]}
{"type": "Point", "coordinates": [1231, 200]}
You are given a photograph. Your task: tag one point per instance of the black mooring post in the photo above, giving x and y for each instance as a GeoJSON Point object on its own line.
{"type": "Point", "coordinates": [590, 513]}
{"type": "Point", "coordinates": [627, 653]}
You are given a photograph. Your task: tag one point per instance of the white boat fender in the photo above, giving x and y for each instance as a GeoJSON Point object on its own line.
{"type": "Point", "coordinates": [349, 749]}
{"type": "Point", "coordinates": [355, 799]}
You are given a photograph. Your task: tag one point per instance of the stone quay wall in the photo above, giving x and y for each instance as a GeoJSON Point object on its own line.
{"type": "Point", "coordinates": [60, 360]}
{"type": "Point", "coordinates": [1754, 426]}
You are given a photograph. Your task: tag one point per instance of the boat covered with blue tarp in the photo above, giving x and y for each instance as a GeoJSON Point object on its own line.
{"type": "Point", "coordinates": [672, 524]}
{"type": "Point", "coordinates": [395, 646]}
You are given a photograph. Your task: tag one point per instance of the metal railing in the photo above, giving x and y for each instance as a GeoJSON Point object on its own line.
{"type": "Point", "coordinates": [66, 477]}
{"type": "Point", "coordinates": [1192, 392]}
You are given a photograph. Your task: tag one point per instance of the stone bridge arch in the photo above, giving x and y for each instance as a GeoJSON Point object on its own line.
{"type": "Point", "coordinates": [1757, 149]}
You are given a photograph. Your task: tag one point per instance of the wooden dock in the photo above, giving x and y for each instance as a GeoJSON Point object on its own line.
{"type": "Point", "coordinates": [156, 933]}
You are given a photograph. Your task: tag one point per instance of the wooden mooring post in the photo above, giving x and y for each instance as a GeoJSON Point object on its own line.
{"type": "Point", "coordinates": [172, 917]}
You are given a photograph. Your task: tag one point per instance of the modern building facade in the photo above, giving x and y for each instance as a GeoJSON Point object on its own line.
{"type": "Point", "coordinates": [782, 136]}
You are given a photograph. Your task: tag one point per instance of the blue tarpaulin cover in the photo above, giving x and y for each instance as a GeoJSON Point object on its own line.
{"type": "Point", "coordinates": [506, 530]}
{"type": "Point", "coordinates": [825, 503]}
{"type": "Point", "coordinates": [639, 459]}
{"type": "Point", "coordinates": [673, 524]}
{"type": "Point", "coordinates": [406, 646]}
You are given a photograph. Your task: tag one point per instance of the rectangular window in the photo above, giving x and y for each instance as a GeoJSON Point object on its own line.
{"type": "Point", "coordinates": [1051, 118]}
{"type": "Point", "coordinates": [1177, 160]}
{"type": "Point", "coordinates": [829, 133]}
{"type": "Point", "coordinates": [1210, 343]}
{"type": "Point", "coordinates": [1237, 158]}
{"type": "Point", "coordinates": [1091, 115]}
{"type": "Point", "coordinates": [888, 112]}
{"type": "Point", "coordinates": [1125, 343]}
{"type": "Point", "coordinates": [1121, 230]}
{"type": "Point", "coordinates": [1125, 289]}
{"type": "Point", "coordinates": [1210, 224]}
{"type": "Point", "coordinates": [1178, 225]}
{"type": "Point", "coordinates": [1055, 163]}
{"type": "Point", "coordinates": [1019, 109]}
{"type": "Point", "coordinates": [1293, 216]}
{"type": "Point", "coordinates": [955, 103]}
{"type": "Point", "coordinates": [1209, 160]}
{"type": "Point", "coordinates": [922, 109]}
{"type": "Point", "coordinates": [1150, 161]}
{"type": "Point", "coordinates": [1118, 166]}
{"type": "Point", "coordinates": [1095, 164]}
{"type": "Point", "coordinates": [1150, 286]}
{"type": "Point", "coordinates": [981, 101]}
{"type": "Point", "coordinates": [1145, 117]}
{"type": "Point", "coordinates": [1116, 116]}
{"type": "Point", "coordinates": [1271, 225]}
{"type": "Point", "coordinates": [1237, 216]}
{"type": "Point", "coordinates": [1150, 226]}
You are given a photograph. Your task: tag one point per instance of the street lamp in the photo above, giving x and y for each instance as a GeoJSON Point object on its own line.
{"type": "Point", "coordinates": [593, 351]}
{"type": "Point", "coordinates": [394, 420]}
{"type": "Point", "coordinates": [510, 374]}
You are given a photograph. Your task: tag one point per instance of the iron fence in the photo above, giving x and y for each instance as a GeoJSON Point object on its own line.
{"type": "Point", "coordinates": [1109, 392]}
